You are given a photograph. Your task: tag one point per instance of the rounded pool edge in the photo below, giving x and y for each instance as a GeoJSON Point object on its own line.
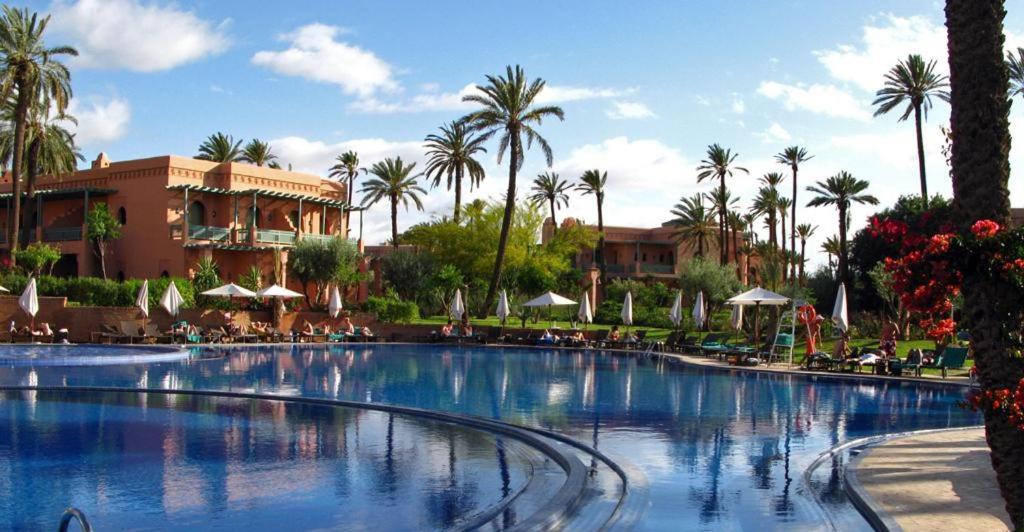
{"type": "Point", "coordinates": [71, 355]}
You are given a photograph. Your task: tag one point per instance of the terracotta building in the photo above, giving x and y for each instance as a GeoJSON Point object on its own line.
{"type": "Point", "coordinates": [177, 210]}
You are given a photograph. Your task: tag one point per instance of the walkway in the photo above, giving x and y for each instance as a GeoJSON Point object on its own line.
{"type": "Point", "coordinates": [935, 481]}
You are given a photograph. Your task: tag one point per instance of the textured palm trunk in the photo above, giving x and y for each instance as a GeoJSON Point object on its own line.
{"type": "Point", "coordinates": [842, 243]}
{"type": "Point", "coordinates": [17, 159]}
{"type": "Point", "coordinates": [785, 259]}
{"type": "Point", "coordinates": [554, 222]}
{"type": "Point", "coordinates": [601, 261]}
{"type": "Point", "coordinates": [980, 162]}
{"type": "Point", "coordinates": [348, 226]}
{"type": "Point", "coordinates": [506, 223]}
{"type": "Point", "coordinates": [723, 252]}
{"type": "Point", "coordinates": [458, 194]}
{"type": "Point", "coordinates": [28, 217]}
{"type": "Point", "coordinates": [792, 229]}
{"type": "Point", "coordinates": [394, 221]}
{"type": "Point", "coordinates": [803, 260]}
{"type": "Point", "coordinates": [920, 156]}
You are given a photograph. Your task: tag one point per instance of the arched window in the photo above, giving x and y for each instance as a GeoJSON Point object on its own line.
{"type": "Point", "coordinates": [120, 276]}
{"type": "Point", "coordinates": [293, 217]}
{"type": "Point", "coordinates": [257, 218]}
{"type": "Point", "coordinates": [164, 274]}
{"type": "Point", "coordinates": [197, 213]}
{"type": "Point", "coordinates": [122, 216]}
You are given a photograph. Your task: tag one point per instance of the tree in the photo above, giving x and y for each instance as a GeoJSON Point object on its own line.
{"type": "Point", "coordinates": [831, 248]}
{"type": "Point", "coordinates": [722, 201]}
{"type": "Point", "coordinates": [915, 82]}
{"type": "Point", "coordinates": [103, 227]}
{"type": "Point", "coordinates": [593, 182]}
{"type": "Point", "coordinates": [221, 148]}
{"type": "Point", "coordinates": [507, 105]}
{"type": "Point", "coordinates": [320, 263]}
{"type": "Point", "coordinates": [694, 222]}
{"type": "Point", "coordinates": [793, 156]}
{"type": "Point", "coordinates": [719, 163]}
{"type": "Point", "coordinates": [549, 188]}
{"type": "Point", "coordinates": [258, 152]}
{"type": "Point", "coordinates": [347, 167]}
{"type": "Point", "coordinates": [981, 169]}
{"type": "Point", "coordinates": [408, 273]}
{"type": "Point", "coordinates": [718, 282]}
{"type": "Point", "coordinates": [805, 232]}
{"type": "Point", "coordinates": [28, 68]}
{"type": "Point", "coordinates": [1016, 66]}
{"type": "Point", "coordinates": [452, 155]}
{"type": "Point", "coordinates": [766, 204]}
{"type": "Point", "coordinates": [736, 226]}
{"type": "Point", "coordinates": [783, 205]}
{"type": "Point", "coordinates": [841, 190]}
{"type": "Point", "coordinates": [393, 180]}
{"type": "Point", "coordinates": [37, 257]}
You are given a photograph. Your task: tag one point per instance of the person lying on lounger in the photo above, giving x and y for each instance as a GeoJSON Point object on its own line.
{"type": "Point", "coordinates": [447, 329]}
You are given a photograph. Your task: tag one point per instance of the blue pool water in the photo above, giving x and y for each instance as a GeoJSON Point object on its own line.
{"type": "Point", "coordinates": [713, 449]}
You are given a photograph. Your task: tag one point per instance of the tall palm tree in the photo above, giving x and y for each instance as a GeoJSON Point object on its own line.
{"type": "Point", "coordinates": [451, 155]}
{"type": "Point", "coordinates": [508, 105]}
{"type": "Point", "coordinates": [258, 152]}
{"type": "Point", "coordinates": [722, 201]}
{"type": "Point", "coordinates": [980, 163]}
{"type": "Point", "coordinates": [28, 68]}
{"type": "Point", "coordinates": [766, 204]}
{"type": "Point", "coordinates": [749, 219]}
{"type": "Point", "coordinates": [915, 82]}
{"type": "Point", "coordinates": [221, 148]}
{"type": "Point", "coordinates": [736, 227]}
{"type": "Point", "coordinates": [549, 188]}
{"type": "Point", "coordinates": [841, 190]}
{"type": "Point", "coordinates": [805, 232]}
{"type": "Point", "coordinates": [393, 179]}
{"type": "Point", "coordinates": [783, 205]}
{"type": "Point", "coordinates": [1016, 66]}
{"type": "Point", "coordinates": [347, 167]}
{"type": "Point", "coordinates": [831, 248]}
{"type": "Point", "coordinates": [793, 157]}
{"type": "Point", "coordinates": [719, 163]}
{"type": "Point", "coordinates": [694, 222]}
{"type": "Point", "coordinates": [593, 182]}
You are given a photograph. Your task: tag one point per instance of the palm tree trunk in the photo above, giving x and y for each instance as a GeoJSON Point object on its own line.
{"type": "Point", "coordinates": [458, 194]}
{"type": "Point", "coordinates": [554, 222]}
{"type": "Point", "coordinates": [792, 228]}
{"type": "Point", "coordinates": [348, 228]}
{"type": "Point", "coordinates": [722, 251]}
{"type": "Point", "coordinates": [785, 266]}
{"type": "Point", "coordinates": [601, 262]}
{"type": "Point", "coordinates": [980, 161]}
{"type": "Point", "coordinates": [29, 211]}
{"type": "Point", "coordinates": [506, 223]}
{"type": "Point", "coordinates": [842, 243]}
{"type": "Point", "coordinates": [920, 156]}
{"type": "Point", "coordinates": [803, 259]}
{"type": "Point", "coordinates": [394, 221]}
{"type": "Point", "coordinates": [17, 158]}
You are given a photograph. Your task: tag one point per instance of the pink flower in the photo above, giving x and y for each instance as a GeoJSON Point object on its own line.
{"type": "Point", "coordinates": [985, 229]}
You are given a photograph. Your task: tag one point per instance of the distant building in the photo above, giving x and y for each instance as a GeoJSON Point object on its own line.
{"type": "Point", "coordinates": [177, 210]}
{"type": "Point", "coordinates": [1017, 217]}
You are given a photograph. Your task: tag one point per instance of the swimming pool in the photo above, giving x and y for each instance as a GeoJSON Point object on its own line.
{"type": "Point", "coordinates": [707, 448]}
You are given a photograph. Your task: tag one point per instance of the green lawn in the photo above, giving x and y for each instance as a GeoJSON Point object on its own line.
{"type": "Point", "coordinates": [657, 334]}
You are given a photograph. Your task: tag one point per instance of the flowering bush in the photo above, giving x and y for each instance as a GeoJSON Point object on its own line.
{"type": "Point", "coordinates": [1002, 401]}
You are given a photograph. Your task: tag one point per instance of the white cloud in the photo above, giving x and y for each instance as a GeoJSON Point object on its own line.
{"type": "Point", "coordinates": [315, 54]}
{"type": "Point", "coordinates": [774, 133]}
{"type": "Point", "coordinates": [430, 99]}
{"type": "Point", "coordinates": [827, 100]}
{"type": "Point", "coordinates": [702, 101]}
{"type": "Point", "coordinates": [559, 94]}
{"type": "Point", "coordinates": [629, 110]}
{"type": "Point", "coordinates": [738, 106]}
{"type": "Point", "coordinates": [126, 34]}
{"type": "Point", "coordinates": [99, 121]}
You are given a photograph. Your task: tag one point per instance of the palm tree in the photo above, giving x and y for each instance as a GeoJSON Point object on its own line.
{"type": "Point", "coordinates": [980, 162]}
{"type": "Point", "coordinates": [831, 248]}
{"type": "Point", "coordinates": [593, 182]}
{"type": "Point", "coordinates": [51, 151]}
{"type": "Point", "coordinates": [736, 227]}
{"type": "Point", "coordinates": [805, 232]}
{"type": "Point", "coordinates": [1016, 66]}
{"type": "Point", "coordinates": [915, 82]}
{"type": "Point", "coordinates": [347, 167]}
{"type": "Point", "coordinates": [783, 205]}
{"type": "Point", "coordinates": [719, 163]}
{"type": "Point", "coordinates": [841, 190]}
{"type": "Point", "coordinates": [451, 155]}
{"type": "Point", "coordinates": [221, 148]}
{"type": "Point", "coordinates": [507, 106]}
{"type": "Point", "coordinates": [722, 201]}
{"type": "Point", "coordinates": [766, 203]}
{"type": "Point", "coordinates": [28, 68]}
{"type": "Point", "coordinates": [549, 188]}
{"type": "Point", "coordinates": [393, 180]}
{"type": "Point", "coordinates": [258, 152]}
{"type": "Point", "coordinates": [694, 222]}
{"type": "Point", "coordinates": [793, 156]}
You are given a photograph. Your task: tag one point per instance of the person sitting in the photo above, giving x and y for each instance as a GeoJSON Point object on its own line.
{"type": "Point", "coordinates": [887, 343]}
{"type": "Point", "coordinates": [447, 329]}
{"type": "Point", "coordinates": [324, 327]}
{"type": "Point", "coordinates": [44, 330]}
{"type": "Point", "coordinates": [365, 331]}
{"type": "Point", "coordinates": [614, 335]}
{"type": "Point", "coordinates": [307, 329]}
{"type": "Point", "coordinates": [465, 329]}
{"type": "Point", "coordinates": [347, 327]}
{"type": "Point", "coordinates": [577, 339]}
{"type": "Point", "coordinates": [548, 338]}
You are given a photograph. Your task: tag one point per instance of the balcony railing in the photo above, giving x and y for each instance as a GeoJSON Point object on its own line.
{"type": "Point", "coordinates": [62, 234]}
{"type": "Point", "coordinates": [615, 268]}
{"type": "Point", "coordinates": [657, 268]}
{"type": "Point", "coordinates": [317, 238]}
{"type": "Point", "coordinates": [209, 232]}
{"type": "Point", "coordinates": [271, 236]}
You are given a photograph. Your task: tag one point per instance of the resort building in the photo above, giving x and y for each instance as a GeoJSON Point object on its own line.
{"type": "Point", "coordinates": [177, 210]}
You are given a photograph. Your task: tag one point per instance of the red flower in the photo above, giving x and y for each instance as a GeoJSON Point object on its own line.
{"type": "Point", "coordinates": [985, 229]}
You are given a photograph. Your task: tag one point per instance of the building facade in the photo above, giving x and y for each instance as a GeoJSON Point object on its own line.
{"type": "Point", "coordinates": [175, 211]}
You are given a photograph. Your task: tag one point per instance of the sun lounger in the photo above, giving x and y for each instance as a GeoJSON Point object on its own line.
{"type": "Point", "coordinates": [949, 358]}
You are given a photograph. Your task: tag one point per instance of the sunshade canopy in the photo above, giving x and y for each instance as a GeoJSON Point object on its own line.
{"type": "Point", "coordinates": [278, 291]}
{"type": "Point", "coordinates": [549, 299]}
{"type": "Point", "coordinates": [230, 290]}
{"type": "Point", "coordinates": [758, 296]}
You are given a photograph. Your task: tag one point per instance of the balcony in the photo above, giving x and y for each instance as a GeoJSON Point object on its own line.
{"type": "Point", "coordinates": [62, 234]}
{"type": "Point", "coordinates": [318, 238]}
{"type": "Point", "coordinates": [615, 268]}
{"type": "Point", "coordinates": [271, 236]}
{"type": "Point", "coordinates": [657, 268]}
{"type": "Point", "coordinates": [209, 232]}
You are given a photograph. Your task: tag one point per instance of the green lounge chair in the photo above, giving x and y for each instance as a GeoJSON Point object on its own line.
{"type": "Point", "coordinates": [949, 358]}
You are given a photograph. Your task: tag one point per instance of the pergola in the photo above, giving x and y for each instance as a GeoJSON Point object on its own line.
{"type": "Point", "coordinates": [56, 194]}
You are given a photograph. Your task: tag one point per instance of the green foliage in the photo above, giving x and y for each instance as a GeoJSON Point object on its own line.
{"type": "Point", "coordinates": [408, 274]}
{"type": "Point", "coordinates": [319, 263]}
{"type": "Point", "coordinates": [822, 286]}
{"type": "Point", "coordinates": [207, 275]}
{"type": "Point", "coordinates": [37, 257]}
{"type": "Point", "coordinates": [103, 226]}
{"type": "Point", "coordinates": [650, 303]}
{"type": "Point", "coordinates": [718, 282]}
{"type": "Point", "coordinates": [93, 291]}
{"type": "Point", "coordinates": [390, 309]}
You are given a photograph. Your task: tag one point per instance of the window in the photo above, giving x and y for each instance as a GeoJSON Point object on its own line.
{"type": "Point", "coordinates": [122, 216]}
{"type": "Point", "coordinates": [197, 213]}
{"type": "Point", "coordinates": [293, 217]}
{"type": "Point", "coordinates": [645, 257]}
{"type": "Point", "coordinates": [164, 274]}
{"type": "Point", "coordinates": [120, 276]}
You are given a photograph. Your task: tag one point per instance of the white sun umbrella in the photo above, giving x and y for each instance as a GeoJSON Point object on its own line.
{"type": "Point", "coordinates": [627, 310]}
{"type": "Point", "coordinates": [334, 305]}
{"type": "Point", "coordinates": [736, 319]}
{"type": "Point", "coordinates": [278, 291]}
{"type": "Point", "coordinates": [2, 289]}
{"type": "Point", "coordinates": [839, 316]}
{"type": "Point", "coordinates": [171, 300]}
{"type": "Point", "coordinates": [759, 296]}
{"type": "Point", "coordinates": [699, 312]}
{"type": "Point", "coordinates": [675, 314]}
{"type": "Point", "coordinates": [457, 308]}
{"type": "Point", "coordinates": [503, 311]}
{"type": "Point", "coordinates": [230, 290]}
{"type": "Point", "coordinates": [142, 301]}
{"type": "Point", "coordinates": [549, 299]}
{"type": "Point", "coordinates": [29, 301]}
{"type": "Point", "coordinates": [585, 315]}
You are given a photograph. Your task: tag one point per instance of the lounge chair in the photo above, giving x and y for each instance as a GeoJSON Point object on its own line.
{"type": "Point", "coordinates": [153, 332]}
{"type": "Point", "coordinates": [130, 332]}
{"type": "Point", "coordinates": [19, 338]}
{"type": "Point", "coordinates": [781, 346]}
{"type": "Point", "coordinates": [949, 358]}
{"type": "Point", "coordinates": [108, 334]}
{"type": "Point", "coordinates": [713, 344]}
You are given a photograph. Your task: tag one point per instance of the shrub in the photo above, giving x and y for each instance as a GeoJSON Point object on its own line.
{"type": "Point", "coordinates": [96, 292]}
{"type": "Point", "coordinates": [392, 309]}
{"type": "Point", "coordinates": [37, 257]}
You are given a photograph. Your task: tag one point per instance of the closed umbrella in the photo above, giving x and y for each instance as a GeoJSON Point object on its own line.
{"type": "Point", "coordinates": [142, 301]}
{"type": "Point", "coordinates": [699, 313]}
{"type": "Point", "coordinates": [334, 305]}
{"type": "Point", "coordinates": [457, 308]}
{"type": "Point", "coordinates": [585, 315]}
{"type": "Point", "coordinates": [736, 319]}
{"type": "Point", "coordinates": [627, 310]}
{"type": "Point", "coordinates": [676, 313]}
{"type": "Point", "coordinates": [171, 301]}
{"type": "Point", "coordinates": [2, 289]}
{"type": "Point", "coordinates": [839, 316]}
{"type": "Point", "coordinates": [504, 311]}
{"type": "Point", "coordinates": [29, 301]}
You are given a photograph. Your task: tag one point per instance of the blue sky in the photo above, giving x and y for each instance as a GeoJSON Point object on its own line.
{"type": "Point", "coordinates": [646, 86]}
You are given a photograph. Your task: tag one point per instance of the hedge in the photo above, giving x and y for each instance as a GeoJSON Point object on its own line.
{"type": "Point", "coordinates": [96, 292]}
